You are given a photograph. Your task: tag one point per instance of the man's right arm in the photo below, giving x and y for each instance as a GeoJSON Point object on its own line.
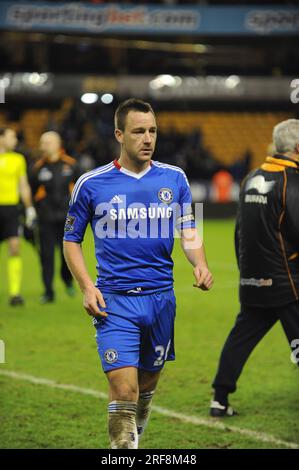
{"type": "Point", "coordinates": [77, 219]}
{"type": "Point", "coordinates": [92, 297]}
{"type": "Point", "coordinates": [292, 218]}
{"type": "Point", "coordinates": [237, 223]}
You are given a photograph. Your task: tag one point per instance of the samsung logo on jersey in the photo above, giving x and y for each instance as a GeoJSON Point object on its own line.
{"type": "Point", "coordinates": [132, 213]}
{"type": "Point", "coordinates": [116, 220]}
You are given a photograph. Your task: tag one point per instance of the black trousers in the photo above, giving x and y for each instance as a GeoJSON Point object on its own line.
{"type": "Point", "coordinates": [51, 235]}
{"type": "Point", "coordinates": [251, 326]}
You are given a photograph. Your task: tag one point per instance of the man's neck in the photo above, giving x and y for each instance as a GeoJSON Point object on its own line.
{"type": "Point", "coordinates": [53, 158]}
{"type": "Point", "coordinates": [135, 167]}
{"type": "Point", "coordinates": [292, 155]}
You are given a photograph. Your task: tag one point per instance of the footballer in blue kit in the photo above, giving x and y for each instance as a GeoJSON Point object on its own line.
{"type": "Point", "coordinates": [134, 206]}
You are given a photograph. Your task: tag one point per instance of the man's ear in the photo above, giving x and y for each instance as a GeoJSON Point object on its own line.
{"type": "Point", "coordinates": [118, 135]}
{"type": "Point", "coordinates": [297, 148]}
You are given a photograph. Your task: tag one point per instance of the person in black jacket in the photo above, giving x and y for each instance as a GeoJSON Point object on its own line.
{"type": "Point", "coordinates": [267, 249]}
{"type": "Point", "coordinates": [52, 180]}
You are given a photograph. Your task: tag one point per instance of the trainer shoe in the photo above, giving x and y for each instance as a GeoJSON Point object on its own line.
{"type": "Point", "coordinates": [16, 300]}
{"type": "Point", "coordinates": [71, 291]}
{"type": "Point", "coordinates": [219, 411]}
{"type": "Point", "coordinates": [46, 299]}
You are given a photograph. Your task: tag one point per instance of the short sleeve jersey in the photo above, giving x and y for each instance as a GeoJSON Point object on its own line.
{"type": "Point", "coordinates": [133, 219]}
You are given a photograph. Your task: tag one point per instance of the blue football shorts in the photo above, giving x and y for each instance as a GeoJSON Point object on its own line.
{"type": "Point", "coordinates": [138, 332]}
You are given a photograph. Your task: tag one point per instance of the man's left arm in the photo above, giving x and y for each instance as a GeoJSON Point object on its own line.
{"type": "Point", "coordinates": [193, 248]}
{"type": "Point", "coordinates": [191, 242]}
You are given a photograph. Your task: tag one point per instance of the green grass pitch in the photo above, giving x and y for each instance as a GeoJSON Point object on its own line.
{"type": "Point", "coordinates": [57, 342]}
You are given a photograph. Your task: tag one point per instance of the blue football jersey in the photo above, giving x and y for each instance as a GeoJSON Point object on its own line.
{"type": "Point", "coordinates": [133, 217]}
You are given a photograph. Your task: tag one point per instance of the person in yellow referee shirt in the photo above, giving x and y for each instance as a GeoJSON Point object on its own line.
{"type": "Point", "coordinates": [13, 187]}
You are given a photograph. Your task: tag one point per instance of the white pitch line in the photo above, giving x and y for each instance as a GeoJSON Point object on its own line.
{"type": "Point", "coordinates": [209, 423]}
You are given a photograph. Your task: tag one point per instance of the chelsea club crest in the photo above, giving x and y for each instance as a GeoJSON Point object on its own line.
{"type": "Point", "coordinates": [111, 356]}
{"type": "Point", "coordinates": [165, 195]}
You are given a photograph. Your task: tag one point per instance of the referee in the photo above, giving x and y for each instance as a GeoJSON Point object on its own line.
{"type": "Point", "coordinates": [267, 248]}
{"type": "Point", "coordinates": [13, 185]}
{"type": "Point", "coordinates": [52, 180]}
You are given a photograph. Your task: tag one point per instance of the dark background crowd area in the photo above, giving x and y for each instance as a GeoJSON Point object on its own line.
{"type": "Point", "coordinates": [88, 136]}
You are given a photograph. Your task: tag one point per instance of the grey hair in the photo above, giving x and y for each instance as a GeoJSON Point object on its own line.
{"type": "Point", "coordinates": [286, 136]}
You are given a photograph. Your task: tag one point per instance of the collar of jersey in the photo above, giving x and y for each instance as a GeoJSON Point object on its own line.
{"type": "Point", "coordinates": [283, 161]}
{"type": "Point", "coordinates": [131, 173]}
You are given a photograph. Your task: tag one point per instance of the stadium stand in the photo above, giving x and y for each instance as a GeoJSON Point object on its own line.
{"type": "Point", "coordinates": [223, 137]}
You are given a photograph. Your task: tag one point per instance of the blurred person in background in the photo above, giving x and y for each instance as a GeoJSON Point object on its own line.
{"type": "Point", "coordinates": [52, 180]}
{"type": "Point", "coordinates": [13, 187]}
{"type": "Point", "coordinates": [267, 249]}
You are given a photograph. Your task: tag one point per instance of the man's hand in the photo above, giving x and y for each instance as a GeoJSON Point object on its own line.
{"type": "Point", "coordinates": [203, 277]}
{"type": "Point", "coordinates": [92, 298]}
{"type": "Point", "coordinates": [30, 217]}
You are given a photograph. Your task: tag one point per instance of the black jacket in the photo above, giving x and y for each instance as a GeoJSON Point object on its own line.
{"type": "Point", "coordinates": [51, 184]}
{"type": "Point", "coordinates": [267, 234]}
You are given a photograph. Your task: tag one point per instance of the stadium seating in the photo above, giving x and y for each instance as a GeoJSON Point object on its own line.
{"type": "Point", "coordinates": [228, 135]}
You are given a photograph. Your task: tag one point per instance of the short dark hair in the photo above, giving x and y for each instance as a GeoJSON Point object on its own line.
{"type": "Point", "coordinates": [123, 109]}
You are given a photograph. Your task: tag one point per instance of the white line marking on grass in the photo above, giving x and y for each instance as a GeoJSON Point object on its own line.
{"type": "Point", "coordinates": [209, 423]}
{"type": "Point", "coordinates": [53, 384]}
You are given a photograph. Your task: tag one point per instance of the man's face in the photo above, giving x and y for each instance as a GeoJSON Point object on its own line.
{"type": "Point", "coordinates": [9, 140]}
{"type": "Point", "coordinates": [139, 136]}
{"type": "Point", "coordinates": [49, 144]}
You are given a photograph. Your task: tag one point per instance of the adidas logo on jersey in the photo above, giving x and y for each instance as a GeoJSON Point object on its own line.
{"type": "Point", "coordinates": [116, 199]}
{"type": "Point", "coordinates": [137, 290]}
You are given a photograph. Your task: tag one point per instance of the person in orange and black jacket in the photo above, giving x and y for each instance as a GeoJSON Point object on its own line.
{"type": "Point", "coordinates": [267, 248]}
{"type": "Point", "coordinates": [52, 179]}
